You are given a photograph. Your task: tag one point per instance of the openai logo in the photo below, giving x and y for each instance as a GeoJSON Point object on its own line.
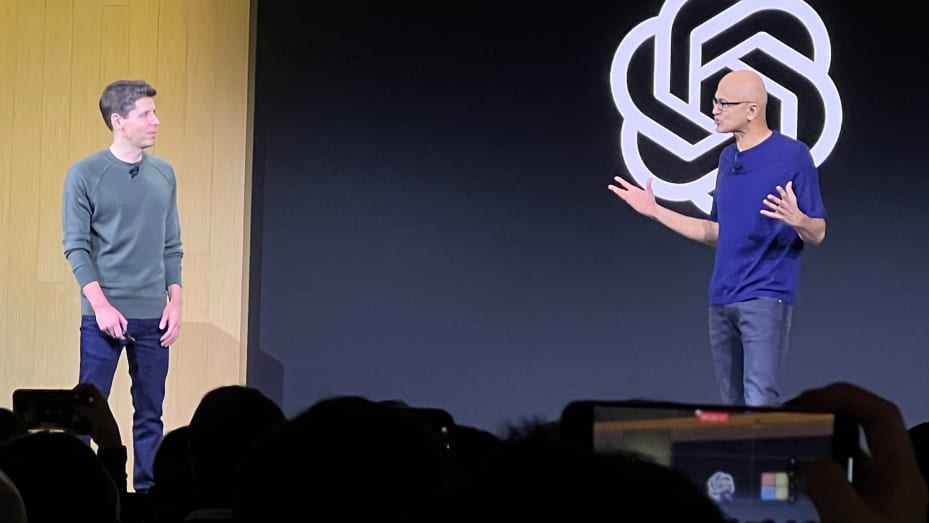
{"type": "Point", "coordinates": [812, 66]}
{"type": "Point", "coordinates": [720, 486]}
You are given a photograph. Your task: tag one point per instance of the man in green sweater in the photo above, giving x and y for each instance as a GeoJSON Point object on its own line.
{"type": "Point", "coordinates": [122, 238]}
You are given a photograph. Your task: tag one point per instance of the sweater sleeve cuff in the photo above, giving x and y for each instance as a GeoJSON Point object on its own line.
{"type": "Point", "coordinates": [84, 273]}
{"type": "Point", "coordinates": [172, 271]}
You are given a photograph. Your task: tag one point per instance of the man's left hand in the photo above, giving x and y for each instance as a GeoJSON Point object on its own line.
{"type": "Point", "coordinates": [170, 319]}
{"type": "Point", "coordinates": [783, 206]}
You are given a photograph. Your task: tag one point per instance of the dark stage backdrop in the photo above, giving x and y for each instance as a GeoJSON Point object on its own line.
{"type": "Point", "coordinates": [432, 221]}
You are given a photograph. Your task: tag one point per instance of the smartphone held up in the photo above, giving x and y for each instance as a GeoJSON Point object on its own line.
{"type": "Point", "coordinates": [52, 409]}
{"type": "Point", "coordinates": [742, 457]}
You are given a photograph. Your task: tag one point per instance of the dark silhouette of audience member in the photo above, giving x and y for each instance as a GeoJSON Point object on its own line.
{"type": "Point", "coordinates": [225, 425]}
{"type": "Point", "coordinates": [12, 508]}
{"type": "Point", "coordinates": [346, 459]}
{"type": "Point", "coordinates": [60, 479]}
{"type": "Point", "coordinates": [538, 476]}
{"type": "Point", "coordinates": [887, 486]}
{"type": "Point", "coordinates": [94, 408]}
{"type": "Point", "coordinates": [349, 458]}
{"type": "Point", "coordinates": [92, 419]}
{"type": "Point", "coordinates": [171, 494]}
{"type": "Point", "coordinates": [11, 426]}
{"type": "Point", "coordinates": [919, 437]}
{"type": "Point", "coordinates": [474, 452]}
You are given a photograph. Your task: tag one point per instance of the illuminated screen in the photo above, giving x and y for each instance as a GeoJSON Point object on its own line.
{"type": "Point", "coordinates": [742, 460]}
{"type": "Point", "coordinates": [431, 219]}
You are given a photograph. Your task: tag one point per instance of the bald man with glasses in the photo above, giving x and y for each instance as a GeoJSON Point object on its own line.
{"type": "Point", "coordinates": [767, 206]}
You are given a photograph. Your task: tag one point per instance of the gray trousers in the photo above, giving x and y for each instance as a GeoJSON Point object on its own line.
{"type": "Point", "coordinates": [749, 341]}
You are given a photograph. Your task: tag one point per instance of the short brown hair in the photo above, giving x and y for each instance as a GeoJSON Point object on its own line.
{"type": "Point", "coordinates": [120, 97]}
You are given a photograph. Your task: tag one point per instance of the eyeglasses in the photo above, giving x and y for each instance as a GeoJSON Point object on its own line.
{"type": "Point", "coordinates": [724, 105]}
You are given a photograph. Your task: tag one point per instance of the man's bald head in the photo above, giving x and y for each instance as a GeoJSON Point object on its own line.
{"type": "Point", "coordinates": [740, 105]}
{"type": "Point", "coordinates": [744, 85]}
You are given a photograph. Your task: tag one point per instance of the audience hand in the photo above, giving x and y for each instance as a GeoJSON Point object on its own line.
{"type": "Point", "coordinates": [887, 486]}
{"type": "Point", "coordinates": [103, 427]}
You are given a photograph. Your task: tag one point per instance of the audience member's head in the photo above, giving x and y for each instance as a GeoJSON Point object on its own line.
{"type": "Point", "coordinates": [60, 479]}
{"type": "Point", "coordinates": [171, 495]}
{"type": "Point", "coordinates": [227, 422]}
{"type": "Point", "coordinates": [347, 458]}
{"type": "Point", "coordinates": [12, 509]}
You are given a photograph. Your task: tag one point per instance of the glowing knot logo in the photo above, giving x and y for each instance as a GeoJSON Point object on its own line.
{"type": "Point", "coordinates": [637, 123]}
{"type": "Point", "coordinates": [720, 486]}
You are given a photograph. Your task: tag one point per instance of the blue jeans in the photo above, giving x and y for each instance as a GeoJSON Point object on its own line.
{"type": "Point", "coordinates": [148, 368]}
{"type": "Point", "coordinates": [749, 341]}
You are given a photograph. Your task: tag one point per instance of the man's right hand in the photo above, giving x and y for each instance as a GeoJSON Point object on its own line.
{"type": "Point", "coordinates": [642, 200]}
{"type": "Point", "coordinates": [111, 321]}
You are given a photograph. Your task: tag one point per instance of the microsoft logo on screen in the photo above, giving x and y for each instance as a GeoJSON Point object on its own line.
{"type": "Point", "coordinates": [775, 486]}
{"type": "Point", "coordinates": [740, 19]}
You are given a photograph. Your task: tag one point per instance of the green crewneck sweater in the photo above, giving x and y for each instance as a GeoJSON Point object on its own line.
{"type": "Point", "coordinates": [121, 229]}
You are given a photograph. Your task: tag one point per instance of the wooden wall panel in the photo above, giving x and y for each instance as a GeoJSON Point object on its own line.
{"type": "Point", "coordinates": [54, 110]}
{"type": "Point", "coordinates": [8, 369]}
{"type": "Point", "coordinates": [24, 315]}
{"type": "Point", "coordinates": [55, 58]}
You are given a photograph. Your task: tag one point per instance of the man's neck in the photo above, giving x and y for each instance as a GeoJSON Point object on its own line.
{"type": "Point", "coordinates": [125, 152]}
{"type": "Point", "coordinates": [751, 137]}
